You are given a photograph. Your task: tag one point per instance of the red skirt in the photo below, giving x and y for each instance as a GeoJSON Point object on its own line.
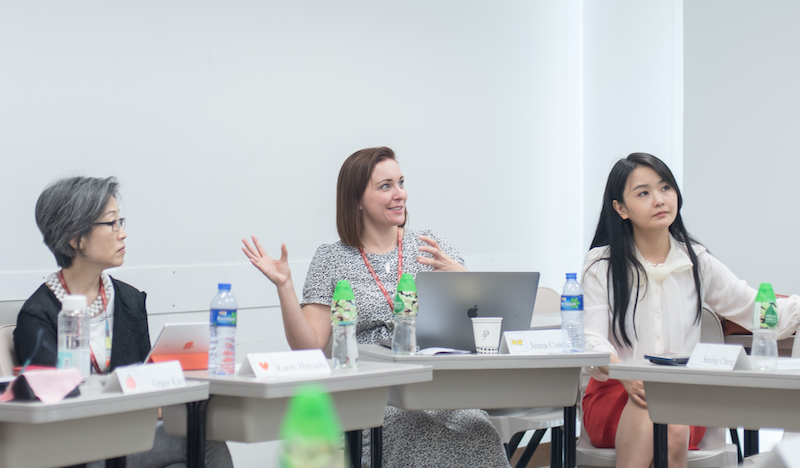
{"type": "Point", "coordinates": [603, 403]}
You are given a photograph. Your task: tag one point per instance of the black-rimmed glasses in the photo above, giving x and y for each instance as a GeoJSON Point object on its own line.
{"type": "Point", "coordinates": [116, 224]}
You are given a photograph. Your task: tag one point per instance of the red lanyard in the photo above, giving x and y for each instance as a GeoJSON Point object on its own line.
{"type": "Point", "coordinates": [399, 268]}
{"type": "Point", "coordinates": [105, 310]}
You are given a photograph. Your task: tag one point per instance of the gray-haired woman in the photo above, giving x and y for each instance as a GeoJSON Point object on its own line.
{"type": "Point", "coordinates": [81, 224]}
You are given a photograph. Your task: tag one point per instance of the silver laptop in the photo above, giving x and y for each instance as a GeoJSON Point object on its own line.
{"type": "Point", "coordinates": [184, 342]}
{"type": "Point", "coordinates": [448, 300]}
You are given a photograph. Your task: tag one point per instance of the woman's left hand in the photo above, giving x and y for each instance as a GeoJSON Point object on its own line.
{"type": "Point", "coordinates": [440, 260]}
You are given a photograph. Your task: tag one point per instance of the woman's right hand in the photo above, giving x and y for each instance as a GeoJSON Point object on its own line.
{"type": "Point", "coordinates": [635, 389]}
{"type": "Point", "coordinates": [276, 270]}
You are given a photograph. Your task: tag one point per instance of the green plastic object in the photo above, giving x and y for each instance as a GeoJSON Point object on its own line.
{"type": "Point", "coordinates": [343, 305]}
{"type": "Point", "coordinates": [405, 301]}
{"type": "Point", "coordinates": [766, 308]}
{"type": "Point", "coordinates": [311, 431]}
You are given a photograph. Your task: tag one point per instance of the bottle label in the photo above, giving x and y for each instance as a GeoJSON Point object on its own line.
{"type": "Point", "coordinates": [405, 303]}
{"type": "Point", "coordinates": [572, 302]}
{"type": "Point", "coordinates": [769, 316]}
{"type": "Point", "coordinates": [223, 318]}
{"type": "Point", "coordinates": [343, 312]}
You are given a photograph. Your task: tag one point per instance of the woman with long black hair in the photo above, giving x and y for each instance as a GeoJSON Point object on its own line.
{"type": "Point", "coordinates": [645, 281]}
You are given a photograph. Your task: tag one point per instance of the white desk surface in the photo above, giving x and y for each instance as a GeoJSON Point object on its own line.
{"type": "Point", "coordinates": [93, 426]}
{"type": "Point", "coordinates": [367, 375]}
{"type": "Point", "coordinates": [487, 361]}
{"type": "Point", "coordinates": [247, 409]}
{"type": "Point", "coordinates": [92, 402]}
{"type": "Point", "coordinates": [716, 398]}
{"type": "Point", "coordinates": [490, 381]}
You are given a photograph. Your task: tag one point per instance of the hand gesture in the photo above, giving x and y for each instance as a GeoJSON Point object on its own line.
{"type": "Point", "coordinates": [440, 260]}
{"type": "Point", "coordinates": [635, 389]}
{"type": "Point", "coordinates": [276, 270]}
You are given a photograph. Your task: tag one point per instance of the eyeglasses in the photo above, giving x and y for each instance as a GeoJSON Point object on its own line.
{"type": "Point", "coordinates": [116, 224]}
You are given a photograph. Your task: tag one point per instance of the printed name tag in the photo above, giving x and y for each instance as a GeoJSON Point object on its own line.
{"type": "Point", "coordinates": [145, 378]}
{"type": "Point", "coordinates": [532, 342]}
{"type": "Point", "coordinates": [285, 364]}
{"type": "Point", "coordinates": [719, 356]}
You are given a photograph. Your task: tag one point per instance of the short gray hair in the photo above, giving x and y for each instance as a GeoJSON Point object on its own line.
{"type": "Point", "coordinates": [68, 209]}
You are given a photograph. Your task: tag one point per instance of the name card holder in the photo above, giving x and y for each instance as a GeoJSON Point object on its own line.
{"type": "Point", "coordinates": [145, 378]}
{"type": "Point", "coordinates": [307, 362]}
{"type": "Point", "coordinates": [531, 342]}
{"type": "Point", "coordinates": [719, 357]}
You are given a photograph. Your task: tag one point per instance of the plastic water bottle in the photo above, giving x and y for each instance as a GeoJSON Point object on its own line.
{"type": "Point", "coordinates": [344, 316]}
{"type": "Point", "coordinates": [222, 325]}
{"type": "Point", "coordinates": [765, 329]}
{"type": "Point", "coordinates": [404, 337]}
{"type": "Point", "coordinates": [73, 336]}
{"type": "Point", "coordinates": [311, 431]}
{"type": "Point", "coordinates": [572, 340]}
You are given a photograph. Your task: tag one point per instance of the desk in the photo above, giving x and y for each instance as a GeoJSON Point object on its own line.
{"type": "Point", "coordinates": [93, 426]}
{"type": "Point", "coordinates": [494, 381]}
{"type": "Point", "coordinates": [246, 409]}
{"type": "Point", "coordinates": [749, 399]}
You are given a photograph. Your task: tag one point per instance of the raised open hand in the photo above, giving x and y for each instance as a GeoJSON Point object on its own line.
{"type": "Point", "coordinates": [276, 270]}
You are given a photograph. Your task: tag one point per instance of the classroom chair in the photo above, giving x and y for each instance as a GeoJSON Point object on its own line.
{"type": "Point", "coordinates": [8, 357]}
{"type": "Point", "coordinates": [513, 424]}
{"type": "Point", "coordinates": [9, 311]}
{"type": "Point", "coordinates": [714, 451]}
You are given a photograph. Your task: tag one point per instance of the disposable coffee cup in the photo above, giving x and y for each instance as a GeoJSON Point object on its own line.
{"type": "Point", "coordinates": [487, 334]}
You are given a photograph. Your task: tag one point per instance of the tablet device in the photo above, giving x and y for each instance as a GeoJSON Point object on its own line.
{"type": "Point", "coordinates": [668, 359]}
{"type": "Point", "coordinates": [186, 343]}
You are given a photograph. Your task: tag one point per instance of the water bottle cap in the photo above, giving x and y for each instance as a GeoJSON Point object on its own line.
{"type": "Point", "coordinates": [765, 293]}
{"type": "Point", "coordinates": [224, 286]}
{"type": "Point", "coordinates": [310, 415]}
{"type": "Point", "coordinates": [407, 283]}
{"type": "Point", "coordinates": [343, 291]}
{"type": "Point", "coordinates": [572, 276]}
{"type": "Point", "coordinates": [74, 302]}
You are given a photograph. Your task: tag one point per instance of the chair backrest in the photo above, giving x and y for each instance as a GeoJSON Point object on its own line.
{"type": "Point", "coordinates": [8, 357]}
{"type": "Point", "coordinates": [9, 311]}
{"type": "Point", "coordinates": [548, 302]}
{"type": "Point", "coordinates": [711, 328]}
{"type": "Point", "coordinates": [796, 346]}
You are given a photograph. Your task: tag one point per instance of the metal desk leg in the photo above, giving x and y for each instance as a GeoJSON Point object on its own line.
{"type": "Point", "coordinates": [354, 444]}
{"type": "Point", "coordinates": [376, 446]}
{"type": "Point", "coordinates": [196, 433]}
{"type": "Point", "coordinates": [750, 442]}
{"type": "Point", "coordinates": [557, 447]}
{"type": "Point", "coordinates": [660, 448]}
{"type": "Point", "coordinates": [569, 437]}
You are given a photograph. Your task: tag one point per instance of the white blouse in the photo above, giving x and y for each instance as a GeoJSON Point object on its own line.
{"type": "Point", "coordinates": [667, 305]}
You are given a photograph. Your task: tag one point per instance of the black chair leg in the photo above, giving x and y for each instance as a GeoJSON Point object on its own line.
{"type": "Point", "coordinates": [527, 454]}
{"type": "Point", "coordinates": [735, 439]}
{"type": "Point", "coordinates": [512, 444]}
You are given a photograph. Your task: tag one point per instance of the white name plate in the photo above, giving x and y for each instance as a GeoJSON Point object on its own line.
{"type": "Point", "coordinates": [286, 364]}
{"type": "Point", "coordinates": [532, 342]}
{"type": "Point", "coordinates": [719, 356]}
{"type": "Point", "coordinates": [145, 378]}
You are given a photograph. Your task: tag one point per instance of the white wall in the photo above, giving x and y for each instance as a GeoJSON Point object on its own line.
{"type": "Point", "coordinates": [632, 91]}
{"type": "Point", "coordinates": [741, 101]}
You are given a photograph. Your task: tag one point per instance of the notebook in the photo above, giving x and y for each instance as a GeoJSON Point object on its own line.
{"type": "Point", "coordinates": [183, 342]}
{"type": "Point", "coordinates": [448, 300]}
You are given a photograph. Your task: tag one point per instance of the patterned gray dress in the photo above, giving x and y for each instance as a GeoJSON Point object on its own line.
{"type": "Point", "coordinates": [454, 439]}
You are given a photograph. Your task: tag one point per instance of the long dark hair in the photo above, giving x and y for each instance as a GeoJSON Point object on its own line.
{"type": "Point", "coordinates": [617, 234]}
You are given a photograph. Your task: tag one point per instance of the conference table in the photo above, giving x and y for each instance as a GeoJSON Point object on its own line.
{"type": "Point", "coordinates": [715, 398]}
{"type": "Point", "coordinates": [89, 427]}
{"type": "Point", "coordinates": [248, 409]}
{"type": "Point", "coordinates": [494, 381]}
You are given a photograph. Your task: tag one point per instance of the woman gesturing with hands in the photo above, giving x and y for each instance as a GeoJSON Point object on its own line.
{"type": "Point", "coordinates": [374, 249]}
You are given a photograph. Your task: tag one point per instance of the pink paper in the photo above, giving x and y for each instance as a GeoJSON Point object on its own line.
{"type": "Point", "coordinates": [50, 386]}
